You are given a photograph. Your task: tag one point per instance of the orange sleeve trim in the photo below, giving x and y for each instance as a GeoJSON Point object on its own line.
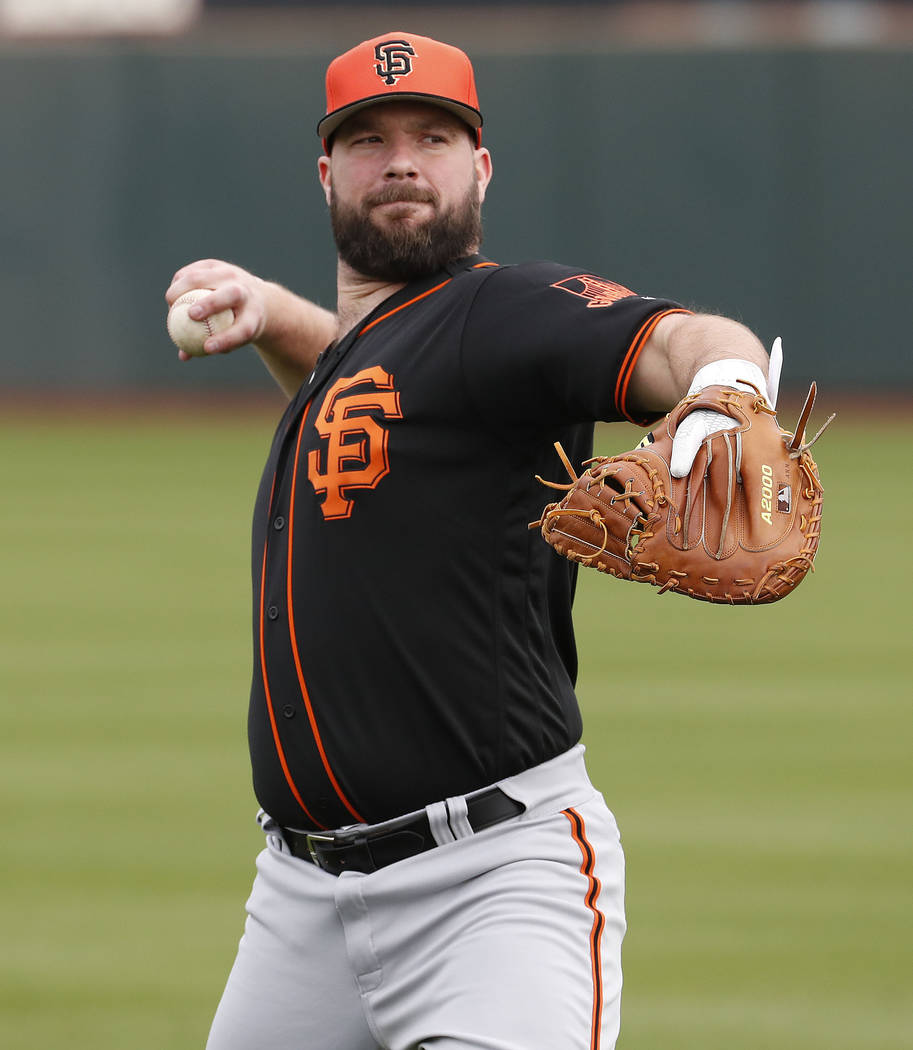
{"type": "Point", "coordinates": [588, 868]}
{"type": "Point", "coordinates": [305, 696]}
{"type": "Point", "coordinates": [639, 341]}
{"type": "Point", "coordinates": [266, 690]}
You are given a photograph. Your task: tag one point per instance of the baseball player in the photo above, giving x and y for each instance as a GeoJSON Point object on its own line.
{"type": "Point", "coordinates": [439, 872]}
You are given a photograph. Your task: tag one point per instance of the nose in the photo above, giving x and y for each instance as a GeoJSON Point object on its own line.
{"type": "Point", "coordinates": [400, 164]}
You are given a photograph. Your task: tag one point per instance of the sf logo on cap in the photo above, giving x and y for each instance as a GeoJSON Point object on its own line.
{"type": "Point", "coordinates": [394, 59]}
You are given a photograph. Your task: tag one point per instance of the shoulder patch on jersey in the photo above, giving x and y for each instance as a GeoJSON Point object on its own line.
{"type": "Point", "coordinates": [597, 290]}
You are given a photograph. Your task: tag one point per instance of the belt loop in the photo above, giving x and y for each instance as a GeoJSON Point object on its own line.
{"type": "Point", "coordinates": [272, 831]}
{"type": "Point", "coordinates": [437, 820]}
{"type": "Point", "coordinates": [459, 818]}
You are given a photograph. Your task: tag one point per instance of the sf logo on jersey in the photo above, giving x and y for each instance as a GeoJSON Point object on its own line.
{"type": "Point", "coordinates": [394, 59]}
{"type": "Point", "coordinates": [356, 455]}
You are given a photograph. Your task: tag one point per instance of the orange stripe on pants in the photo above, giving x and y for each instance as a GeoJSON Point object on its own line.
{"type": "Point", "coordinates": [588, 868]}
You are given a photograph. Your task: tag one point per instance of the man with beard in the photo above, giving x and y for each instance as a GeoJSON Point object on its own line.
{"type": "Point", "coordinates": [438, 872]}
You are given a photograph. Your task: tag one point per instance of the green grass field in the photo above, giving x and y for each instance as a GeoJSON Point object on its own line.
{"type": "Point", "coordinates": [759, 765]}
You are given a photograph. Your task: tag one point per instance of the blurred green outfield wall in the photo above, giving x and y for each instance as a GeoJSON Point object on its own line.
{"type": "Point", "coordinates": [770, 186]}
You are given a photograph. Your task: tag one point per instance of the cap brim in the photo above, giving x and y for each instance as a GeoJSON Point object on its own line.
{"type": "Point", "coordinates": [331, 121]}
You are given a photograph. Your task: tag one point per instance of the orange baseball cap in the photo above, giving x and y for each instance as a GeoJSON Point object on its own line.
{"type": "Point", "coordinates": [397, 67]}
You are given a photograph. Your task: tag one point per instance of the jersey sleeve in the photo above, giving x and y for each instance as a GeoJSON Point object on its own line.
{"type": "Point", "coordinates": [544, 342]}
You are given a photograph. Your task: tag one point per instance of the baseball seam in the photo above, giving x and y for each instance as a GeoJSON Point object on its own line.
{"type": "Point", "coordinates": [189, 300]}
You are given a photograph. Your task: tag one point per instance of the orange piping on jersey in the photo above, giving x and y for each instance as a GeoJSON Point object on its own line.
{"type": "Point", "coordinates": [292, 637]}
{"type": "Point", "coordinates": [587, 868]}
{"type": "Point", "coordinates": [630, 362]}
{"type": "Point", "coordinates": [266, 690]}
{"type": "Point", "coordinates": [431, 291]}
{"type": "Point", "coordinates": [402, 306]}
{"type": "Point", "coordinates": [301, 683]}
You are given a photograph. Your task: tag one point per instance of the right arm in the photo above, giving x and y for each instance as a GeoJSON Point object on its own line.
{"type": "Point", "coordinates": [288, 332]}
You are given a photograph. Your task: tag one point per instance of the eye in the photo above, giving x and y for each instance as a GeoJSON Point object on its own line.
{"type": "Point", "coordinates": [368, 139]}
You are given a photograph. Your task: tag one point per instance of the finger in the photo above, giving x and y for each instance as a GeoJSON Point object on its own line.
{"type": "Point", "coordinates": [237, 335]}
{"type": "Point", "coordinates": [227, 297]}
{"type": "Point", "coordinates": [180, 285]}
{"type": "Point", "coordinates": [690, 435]}
{"type": "Point", "coordinates": [205, 273]}
{"type": "Point", "coordinates": [685, 444]}
{"type": "Point", "coordinates": [773, 371]}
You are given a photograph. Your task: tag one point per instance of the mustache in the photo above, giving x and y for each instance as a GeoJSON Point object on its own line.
{"type": "Point", "coordinates": [397, 194]}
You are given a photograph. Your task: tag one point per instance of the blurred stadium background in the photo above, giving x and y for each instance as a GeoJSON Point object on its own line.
{"type": "Point", "coordinates": [753, 159]}
{"type": "Point", "coordinates": [749, 158]}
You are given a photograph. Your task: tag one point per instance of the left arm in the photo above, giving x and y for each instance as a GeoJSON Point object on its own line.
{"type": "Point", "coordinates": [679, 346]}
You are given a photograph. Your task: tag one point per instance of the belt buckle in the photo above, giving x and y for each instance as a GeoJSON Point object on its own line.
{"type": "Point", "coordinates": [309, 840]}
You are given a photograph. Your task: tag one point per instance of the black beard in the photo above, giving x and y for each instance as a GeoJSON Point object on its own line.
{"type": "Point", "coordinates": [404, 252]}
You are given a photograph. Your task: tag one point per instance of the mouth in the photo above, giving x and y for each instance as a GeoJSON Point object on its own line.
{"type": "Point", "coordinates": [398, 202]}
{"type": "Point", "coordinates": [400, 195]}
{"type": "Point", "coordinates": [401, 209]}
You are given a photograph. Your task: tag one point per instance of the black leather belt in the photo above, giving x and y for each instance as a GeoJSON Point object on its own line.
{"type": "Point", "coordinates": [354, 849]}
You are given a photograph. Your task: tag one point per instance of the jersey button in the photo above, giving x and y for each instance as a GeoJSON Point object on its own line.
{"type": "Point", "coordinates": [279, 524]}
{"type": "Point", "coordinates": [288, 711]}
{"type": "Point", "coordinates": [273, 612]}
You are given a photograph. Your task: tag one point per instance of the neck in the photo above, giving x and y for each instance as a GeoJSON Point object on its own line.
{"type": "Point", "coordinates": [357, 295]}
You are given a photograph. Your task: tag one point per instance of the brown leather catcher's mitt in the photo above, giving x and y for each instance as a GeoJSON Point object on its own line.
{"type": "Point", "coordinates": [742, 527]}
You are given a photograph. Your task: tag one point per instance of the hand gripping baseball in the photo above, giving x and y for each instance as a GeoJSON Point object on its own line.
{"type": "Point", "coordinates": [231, 289]}
{"type": "Point", "coordinates": [742, 527]}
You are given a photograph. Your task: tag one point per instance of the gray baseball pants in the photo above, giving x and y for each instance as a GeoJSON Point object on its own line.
{"type": "Point", "coordinates": [505, 939]}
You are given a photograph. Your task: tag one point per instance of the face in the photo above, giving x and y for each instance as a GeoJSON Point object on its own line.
{"type": "Point", "coordinates": [404, 183]}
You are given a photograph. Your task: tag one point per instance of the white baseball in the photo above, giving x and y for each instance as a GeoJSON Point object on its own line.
{"type": "Point", "coordinates": [189, 335]}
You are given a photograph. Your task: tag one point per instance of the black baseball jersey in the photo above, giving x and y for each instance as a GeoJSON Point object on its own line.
{"type": "Point", "coordinates": [412, 637]}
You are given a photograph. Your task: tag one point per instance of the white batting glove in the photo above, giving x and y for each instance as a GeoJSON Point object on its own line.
{"type": "Point", "coordinates": [699, 425]}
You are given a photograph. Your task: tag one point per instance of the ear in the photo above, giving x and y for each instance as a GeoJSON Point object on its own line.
{"type": "Point", "coordinates": [324, 172]}
{"type": "Point", "coordinates": [483, 168]}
